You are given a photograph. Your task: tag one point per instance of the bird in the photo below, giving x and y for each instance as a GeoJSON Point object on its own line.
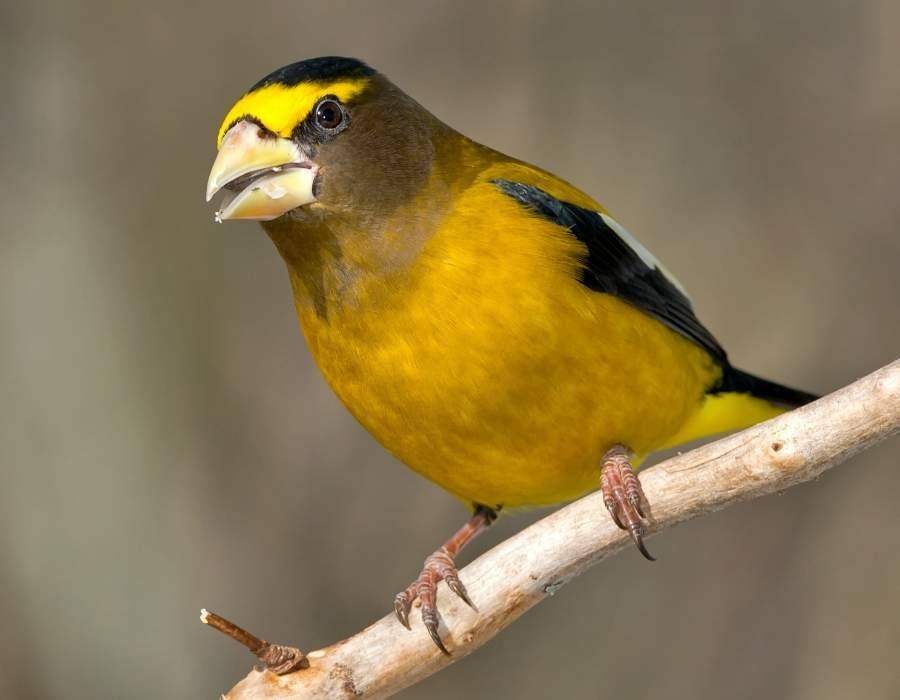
{"type": "Point", "coordinates": [491, 325]}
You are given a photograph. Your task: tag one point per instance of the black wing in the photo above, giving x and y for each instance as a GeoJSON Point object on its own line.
{"type": "Point", "coordinates": [614, 266]}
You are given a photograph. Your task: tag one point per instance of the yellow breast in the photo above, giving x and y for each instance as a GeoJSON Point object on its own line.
{"type": "Point", "coordinates": [488, 368]}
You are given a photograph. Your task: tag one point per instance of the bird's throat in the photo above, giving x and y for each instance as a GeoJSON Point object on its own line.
{"type": "Point", "coordinates": [337, 264]}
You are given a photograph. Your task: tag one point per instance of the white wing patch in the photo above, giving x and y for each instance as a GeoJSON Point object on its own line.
{"type": "Point", "coordinates": [643, 253]}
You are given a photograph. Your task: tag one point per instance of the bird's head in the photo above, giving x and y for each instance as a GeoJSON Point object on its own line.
{"type": "Point", "coordinates": [320, 136]}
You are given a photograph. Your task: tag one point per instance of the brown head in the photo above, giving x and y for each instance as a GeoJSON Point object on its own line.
{"type": "Point", "coordinates": [323, 136]}
{"type": "Point", "coordinates": [336, 161]}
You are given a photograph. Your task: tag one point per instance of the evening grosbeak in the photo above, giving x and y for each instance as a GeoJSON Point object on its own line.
{"type": "Point", "coordinates": [490, 324]}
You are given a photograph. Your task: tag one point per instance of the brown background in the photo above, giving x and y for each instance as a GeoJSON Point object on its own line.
{"type": "Point", "coordinates": [167, 443]}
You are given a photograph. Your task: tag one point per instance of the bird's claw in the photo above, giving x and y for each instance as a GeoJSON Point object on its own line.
{"type": "Point", "coordinates": [637, 534]}
{"type": "Point", "coordinates": [403, 604]}
{"type": "Point", "coordinates": [623, 496]}
{"type": "Point", "coordinates": [439, 566]}
{"type": "Point", "coordinates": [455, 585]}
{"type": "Point", "coordinates": [431, 622]}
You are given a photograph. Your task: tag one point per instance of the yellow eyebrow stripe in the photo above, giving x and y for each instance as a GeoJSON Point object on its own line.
{"type": "Point", "coordinates": [281, 107]}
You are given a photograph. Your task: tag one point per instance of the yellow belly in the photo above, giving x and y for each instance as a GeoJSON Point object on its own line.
{"type": "Point", "coordinates": [487, 368]}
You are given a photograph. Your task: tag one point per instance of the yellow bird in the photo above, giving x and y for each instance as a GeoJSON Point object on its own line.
{"type": "Point", "coordinates": [490, 324]}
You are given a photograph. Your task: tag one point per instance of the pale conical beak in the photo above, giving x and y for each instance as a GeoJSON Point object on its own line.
{"type": "Point", "coordinates": [267, 175]}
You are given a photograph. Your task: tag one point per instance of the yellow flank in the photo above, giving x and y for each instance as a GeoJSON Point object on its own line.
{"type": "Point", "coordinates": [484, 365]}
{"type": "Point", "coordinates": [720, 413]}
{"type": "Point", "coordinates": [281, 107]}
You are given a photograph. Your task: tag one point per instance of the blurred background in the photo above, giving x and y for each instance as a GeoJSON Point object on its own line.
{"type": "Point", "coordinates": [166, 442]}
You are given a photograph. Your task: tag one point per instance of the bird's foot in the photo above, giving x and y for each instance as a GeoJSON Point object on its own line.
{"type": "Point", "coordinates": [440, 567]}
{"type": "Point", "coordinates": [623, 496]}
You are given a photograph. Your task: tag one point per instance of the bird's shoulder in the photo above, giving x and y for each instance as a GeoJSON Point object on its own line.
{"type": "Point", "coordinates": [511, 170]}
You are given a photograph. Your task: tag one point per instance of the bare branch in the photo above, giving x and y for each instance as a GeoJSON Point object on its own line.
{"type": "Point", "coordinates": [525, 569]}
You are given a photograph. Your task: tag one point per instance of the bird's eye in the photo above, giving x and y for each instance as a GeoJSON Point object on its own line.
{"type": "Point", "coordinates": [329, 114]}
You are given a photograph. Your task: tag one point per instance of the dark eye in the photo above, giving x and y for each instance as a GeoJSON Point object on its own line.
{"type": "Point", "coordinates": [329, 114]}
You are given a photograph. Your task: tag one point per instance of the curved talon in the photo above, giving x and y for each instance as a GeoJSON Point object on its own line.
{"type": "Point", "coordinates": [402, 605]}
{"type": "Point", "coordinates": [637, 534]}
{"type": "Point", "coordinates": [455, 585]}
{"type": "Point", "coordinates": [430, 620]}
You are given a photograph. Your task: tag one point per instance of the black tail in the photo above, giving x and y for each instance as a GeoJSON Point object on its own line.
{"type": "Point", "coordinates": [743, 383]}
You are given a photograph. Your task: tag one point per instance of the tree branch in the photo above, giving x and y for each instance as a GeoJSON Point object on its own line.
{"type": "Point", "coordinates": [527, 568]}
